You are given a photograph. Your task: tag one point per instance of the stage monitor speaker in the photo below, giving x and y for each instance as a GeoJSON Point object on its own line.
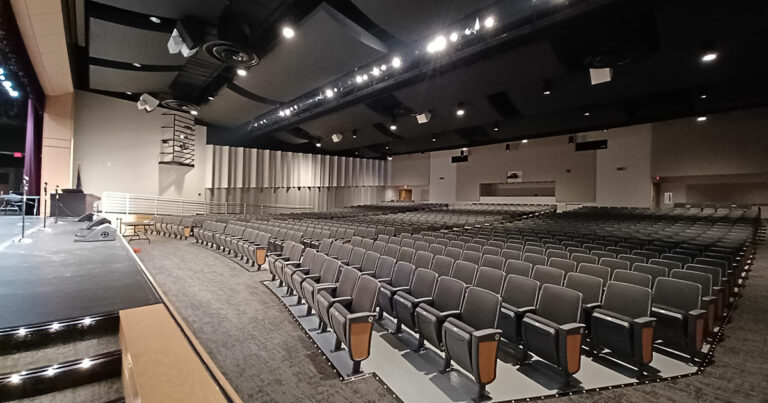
{"type": "Point", "coordinates": [98, 222]}
{"type": "Point", "coordinates": [104, 232]}
{"type": "Point", "coordinates": [85, 217]}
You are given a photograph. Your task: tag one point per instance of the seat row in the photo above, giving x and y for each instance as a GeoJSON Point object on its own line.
{"type": "Point", "coordinates": [176, 226]}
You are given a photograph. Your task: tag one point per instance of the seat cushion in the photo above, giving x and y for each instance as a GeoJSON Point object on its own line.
{"type": "Point", "coordinates": [540, 337]}
{"type": "Point", "coordinates": [457, 339]}
{"type": "Point", "coordinates": [613, 331]}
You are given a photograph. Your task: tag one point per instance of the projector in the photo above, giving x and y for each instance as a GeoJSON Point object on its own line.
{"type": "Point", "coordinates": [423, 117]}
{"type": "Point", "coordinates": [147, 102]}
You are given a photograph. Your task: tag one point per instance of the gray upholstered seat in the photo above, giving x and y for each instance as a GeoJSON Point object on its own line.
{"type": "Point", "coordinates": [623, 324]}
{"type": "Point", "coordinates": [383, 270]}
{"type": "Point", "coordinates": [548, 275]}
{"type": "Point", "coordinates": [464, 272]}
{"type": "Point", "coordinates": [670, 265]}
{"type": "Point", "coordinates": [401, 281]}
{"type": "Point", "coordinates": [591, 289]}
{"type": "Point", "coordinates": [632, 260]}
{"type": "Point", "coordinates": [632, 277]}
{"type": "Point", "coordinates": [580, 258]}
{"type": "Point", "coordinates": [391, 250]}
{"type": "Point", "coordinates": [490, 279]}
{"type": "Point", "coordinates": [442, 265]}
{"type": "Point", "coordinates": [603, 273]}
{"type": "Point", "coordinates": [518, 268]}
{"type": "Point", "coordinates": [518, 297]}
{"type": "Point", "coordinates": [430, 315]}
{"type": "Point", "coordinates": [325, 295]}
{"type": "Point", "coordinates": [535, 260]}
{"type": "Point", "coordinates": [493, 262]}
{"type": "Point", "coordinates": [559, 254]}
{"type": "Point", "coordinates": [508, 254]}
{"type": "Point", "coordinates": [356, 320]}
{"type": "Point", "coordinates": [553, 330]}
{"type": "Point", "coordinates": [453, 253]}
{"type": "Point", "coordinates": [470, 338]}
{"type": "Point", "coordinates": [305, 287]}
{"type": "Point", "coordinates": [406, 254]}
{"type": "Point", "coordinates": [567, 266]}
{"type": "Point", "coordinates": [423, 260]}
{"type": "Point", "coordinates": [294, 275]}
{"type": "Point", "coordinates": [471, 256]}
{"type": "Point", "coordinates": [651, 270]}
{"type": "Point", "coordinates": [679, 321]}
{"type": "Point", "coordinates": [405, 303]}
{"type": "Point", "coordinates": [708, 302]}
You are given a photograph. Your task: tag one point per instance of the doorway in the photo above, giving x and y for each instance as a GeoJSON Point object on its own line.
{"type": "Point", "coordinates": [406, 194]}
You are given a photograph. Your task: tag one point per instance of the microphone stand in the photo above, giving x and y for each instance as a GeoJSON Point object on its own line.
{"type": "Point", "coordinates": [25, 187]}
{"type": "Point", "coordinates": [45, 207]}
{"type": "Point", "coordinates": [58, 206]}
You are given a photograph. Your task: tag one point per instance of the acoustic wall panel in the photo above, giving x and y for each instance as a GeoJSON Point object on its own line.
{"type": "Point", "coordinates": [236, 167]}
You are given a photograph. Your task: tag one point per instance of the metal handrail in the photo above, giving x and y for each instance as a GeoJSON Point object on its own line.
{"type": "Point", "coordinates": [131, 203]}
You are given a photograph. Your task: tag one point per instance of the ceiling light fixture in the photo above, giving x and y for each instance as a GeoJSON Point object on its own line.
{"type": "Point", "coordinates": [393, 124]}
{"type": "Point", "coordinates": [586, 113]}
{"type": "Point", "coordinates": [396, 62]}
{"type": "Point", "coordinates": [210, 98]}
{"type": "Point", "coordinates": [329, 93]}
{"type": "Point", "coordinates": [375, 71]}
{"type": "Point", "coordinates": [136, 64]}
{"type": "Point", "coordinates": [317, 145]}
{"type": "Point", "coordinates": [703, 96]}
{"type": "Point", "coordinates": [389, 158]}
{"type": "Point", "coordinates": [383, 67]}
{"type": "Point", "coordinates": [194, 113]}
{"type": "Point", "coordinates": [15, 378]}
{"type": "Point", "coordinates": [708, 57]}
{"type": "Point", "coordinates": [437, 45]}
{"type": "Point", "coordinates": [242, 72]}
{"type": "Point", "coordinates": [454, 36]}
{"type": "Point", "coordinates": [489, 22]}
{"type": "Point", "coordinates": [546, 87]}
{"type": "Point", "coordinates": [496, 126]}
{"type": "Point", "coordinates": [288, 32]}
{"type": "Point", "coordinates": [155, 19]}
{"type": "Point", "coordinates": [359, 79]}
{"type": "Point", "coordinates": [86, 363]}
{"type": "Point", "coordinates": [524, 141]}
{"type": "Point", "coordinates": [460, 110]}
{"type": "Point", "coordinates": [434, 139]}
{"type": "Point", "coordinates": [128, 93]}
{"type": "Point", "coordinates": [701, 119]}
{"type": "Point", "coordinates": [354, 133]}
{"type": "Point", "coordinates": [51, 371]}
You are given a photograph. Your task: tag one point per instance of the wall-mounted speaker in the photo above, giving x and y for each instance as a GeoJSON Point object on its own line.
{"type": "Point", "coordinates": [591, 145]}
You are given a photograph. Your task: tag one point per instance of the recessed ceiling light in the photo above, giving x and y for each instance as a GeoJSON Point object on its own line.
{"type": "Point", "coordinates": [586, 113]}
{"type": "Point", "coordinates": [383, 67]}
{"type": "Point", "coordinates": [210, 98]}
{"type": "Point", "coordinates": [365, 77]}
{"type": "Point", "coordinates": [194, 113]}
{"type": "Point", "coordinates": [86, 363]}
{"type": "Point", "coordinates": [524, 141]}
{"type": "Point", "coordinates": [701, 119]}
{"type": "Point", "coordinates": [15, 378]}
{"type": "Point", "coordinates": [489, 22]}
{"type": "Point", "coordinates": [128, 93]}
{"type": "Point", "coordinates": [465, 149]}
{"type": "Point", "coordinates": [288, 32]}
{"type": "Point", "coordinates": [242, 72]}
{"type": "Point", "coordinates": [495, 127]}
{"type": "Point", "coordinates": [393, 127]}
{"type": "Point", "coordinates": [329, 93]}
{"type": "Point", "coordinates": [703, 96]}
{"type": "Point", "coordinates": [389, 158]}
{"type": "Point", "coordinates": [154, 19]}
{"type": "Point", "coordinates": [396, 62]}
{"type": "Point", "coordinates": [136, 64]}
{"type": "Point", "coordinates": [459, 112]}
{"type": "Point", "coordinates": [358, 79]}
{"type": "Point", "coordinates": [434, 139]}
{"type": "Point", "coordinates": [454, 36]}
{"type": "Point", "coordinates": [317, 145]}
{"type": "Point", "coordinates": [375, 71]}
{"type": "Point", "coordinates": [708, 57]}
{"type": "Point", "coordinates": [437, 45]}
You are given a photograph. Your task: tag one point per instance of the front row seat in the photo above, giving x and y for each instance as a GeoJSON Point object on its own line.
{"type": "Point", "coordinates": [553, 332]}
{"type": "Point", "coordinates": [353, 325]}
{"type": "Point", "coordinates": [679, 321]}
{"type": "Point", "coordinates": [471, 338]}
{"type": "Point", "coordinates": [623, 325]}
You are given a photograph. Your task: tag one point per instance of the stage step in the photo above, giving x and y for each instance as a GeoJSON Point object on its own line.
{"type": "Point", "coordinates": [108, 390]}
{"type": "Point", "coordinates": [71, 358]}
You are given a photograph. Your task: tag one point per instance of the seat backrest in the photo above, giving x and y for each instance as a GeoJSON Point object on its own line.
{"type": "Point", "coordinates": [423, 284]}
{"type": "Point", "coordinates": [347, 282]}
{"type": "Point", "coordinates": [406, 254]}
{"type": "Point", "coordinates": [548, 275]}
{"type": "Point", "coordinates": [573, 250]}
{"type": "Point", "coordinates": [471, 257]}
{"type": "Point", "coordinates": [676, 293]}
{"type": "Point", "coordinates": [449, 294]}
{"type": "Point", "coordinates": [535, 260]}
{"type": "Point", "coordinates": [443, 242]}
{"type": "Point", "coordinates": [369, 261]}
{"type": "Point", "coordinates": [632, 260]}
{"type": "Point", "coordinates": [721, 264]}
{"type": "Point", "coordinates": [367, 244]}
{"type": "Point", "coordinates": [702, 279]}
{"type": "Point", "coordinates": [473, 247]}
{"type": "Point", "coordinates": [364, 297]}
{"type": "Point", "coordinates": [617, 251]}
{"type": "Point", "coordinates": [520, 292]}
{"type": "Point", "coordinates": [493, 262]}
{"type": "Point", "coordinates": [602, 255]}
{"type": "Point", "coordinates": [402, 275]}
{"type": "Point", "coordinates": [384, 267]}
{"type": "Point", "coordinates": [670, 265]}
{"type": "Point", "coordinates": [407, 243]}
{"type": "Point", "coordinates": [632, 277]}
{"type": "Point", "coordinates": [308, 257]}
{"type": "Point", "coordinates": [356, 258]}
{"type": "Point", "coordinates": [651, 270]}
{"type": "Point", "coordinates": [391, 250]}
{"type": "Point", "coordinates": [559, 254]}
{"type": "Point", "coordinates": [436, 249]}
{"type": "Point", "coordinates": [491, 250]}
{"type": "Point", "coordinates": [464, 271]}
{"type": "Point", "coordinates": [356, 241]}
{"type": "Point", "coordinates": [423, 260]}
{"type": "Point", "coordinates": [591, 288]}
{"type": "Point", "coordinates": [714, 272]}
{"type": "Point", "coordinates": [580, 258]}
{"type": "Point", "coordinates": [480, 309]}
{"type": "Point", "coordinates": [627, 299]}
{"type": "Point", "coordinates": [508, 254]}
{"type": "Point", "coordinates": [421, 246]}
{"type": "Point", "coordinates": [614, 264]}
{"type": "Point", "coordinates": [601, 272]}
{"type": "Point", "coordinates": [558, 304]}
{"type": "Point", "coordinates": [378, 247]}
{"type": "Point", "coordinates": [513, 246]}
{"type": "Point", "coordinates": [330, 271]}
{"type": "Point", "coordinates": [442, 265]}
{"type": "Point", "coordinates": [295, 252]}
{"type": "Point", "coordinates": [334, 249]}
{"type": "Point", "coordinates": [453, 253]}
{"type": "Point", "coordinates": [382, 238]}
{"type": "Point", "coordinates": [325, 246]}
{"type": "Point", "coordinates": [345, 251]}
{"type": "Point", "coordinates": [394, 240]}
{"type": "Point", "coordinates": [518, 268]}
{"type": "Point", "coordinates": [490, 279]}
{"type": "Point", "coordinates": [646, 254]}
{"type": "Point", "coordinates": [568, 266]}
{"type": "Point", "coordinates": [535, 250]}
{"type": "Point", "coordinates": [683, 260]}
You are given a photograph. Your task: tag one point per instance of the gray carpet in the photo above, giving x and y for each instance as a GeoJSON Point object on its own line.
{"type": "Point", "coordinates": [246, 330]}
{"type": "Point", "coordinates": [262, 352]}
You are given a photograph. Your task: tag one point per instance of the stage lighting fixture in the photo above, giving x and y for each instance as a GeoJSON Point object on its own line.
{"type": "Point", "coordinates": [489, 22]}
{"type": "Point", "coordinates": [51, 371]}
{"type": "Point", "coordinates": [365, 77]}
{"type": "Point", "coordinates": [154, 19]}
{"type": "Point", "coordinates": [460, 110]}
{"type": "Point", "coordinates": [22, 331]}
{"type": "Point", "coordinates": [136, 64]}
{"type": "Point", "coordinates": [496, 127]}
{"type": "Point", "coordinates": [437, 45]}
{"type": "Point", "coordinates": [242, 72]}
{"type": "Point", "coordinates": [524, 141]}
{"type": "Point", "coordinates": [329, 93]}
{"type": "Point", "coordinates": [147, 102]}
{"type": "Point", "coordinates": [86, 363]}
{"type": "Point", "coordinates": [396, 62]}
{"type": "Point", "coordinates": [288, 32]}
{"type": "Point", "coordinates": [708, 57]}
{"type": "Point", "coordinates": [15, 378]}
{"type": "Point", "coordinates": [375, 71]}
{"type": "Point", "coordinates": [55, 326]}
{"type": "Point", "coordinates": [281, 113]}
{"type": "Point", "coordinates": [317, 145]}
{"type": "Point", "coordinates": [383, 67]}
{"type": "Point", "coordinates": [389, 158]}
{"type": "Point", "coordinates": [87, 321]}
{"type": "Point", "coordinates": [194, 113]}
{"type": "Point", "coordinates": [454, 36]}
{"type": "Point", "coordinates": [359, 79]}
{"type": "Point", "coordinates": [701, 119]}
{"type": "Point", "coordinates": [210, 98]}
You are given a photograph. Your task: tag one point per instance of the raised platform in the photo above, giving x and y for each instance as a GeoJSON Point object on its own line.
{"type": "Point", "coordinates": [54, 278]}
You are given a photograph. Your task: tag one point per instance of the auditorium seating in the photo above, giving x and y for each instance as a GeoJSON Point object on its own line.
{"type": "Point", "coordinates": [353, 323]}
{"type": "Point", "coordinates": [431, 314]}
{"type": "Point", "coordinates": [679, 321]}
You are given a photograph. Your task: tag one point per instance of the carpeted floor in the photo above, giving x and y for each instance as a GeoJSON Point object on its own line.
{"type": "Point", "coordinates": [246, 330]}
{"type": "Point", "coordinates": [265, 356]}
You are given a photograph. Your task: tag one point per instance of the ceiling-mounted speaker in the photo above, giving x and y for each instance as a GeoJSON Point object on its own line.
{"type": "Point", "coordinates": [336, 137]}
{"type": "Point", "coordinates": [181, 106]}
{"type": "Point", "coordinates": [599, 76]}
{"type": "Point", "coordinates": [423, 117]}
{"type": "Point", "coordinates": [147, 102]}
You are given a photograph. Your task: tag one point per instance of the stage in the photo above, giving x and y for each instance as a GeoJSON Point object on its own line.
{"type": "Point", "coordinates": [54, 278]}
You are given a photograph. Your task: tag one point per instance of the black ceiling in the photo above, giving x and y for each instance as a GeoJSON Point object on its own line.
{"type": "Point", "coordinates": [497, 75]}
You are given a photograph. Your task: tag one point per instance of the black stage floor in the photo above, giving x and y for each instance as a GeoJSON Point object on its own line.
{"type": "Point", "coordinates": [55, 278]}
{"type": "Point", "coordinates": [10, 227]}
